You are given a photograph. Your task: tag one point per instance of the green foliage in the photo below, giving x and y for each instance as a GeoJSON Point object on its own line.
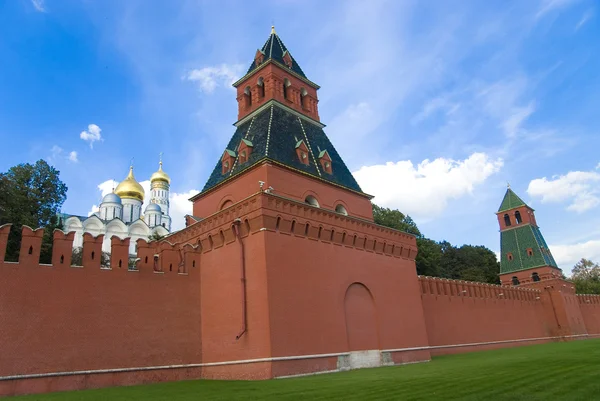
{"type": "Point", "coordinates": [442, 259]}
{"type": "Point", "coordinates": [586, 277]}
{"type": "Point", "coordinates": [30, 194]}
{"type": "Point", "coordinates": [155, 236]}
{"type": "Point", "coordinates": [395, 219]}
{"type": "Point", "coordinates": [557, 371]}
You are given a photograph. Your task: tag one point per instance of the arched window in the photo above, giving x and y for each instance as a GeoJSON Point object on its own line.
{"type": "Point", "coordinates": [518, 218]}
{"type": "Point", "coordinates": [120, 263]}
{"type": "Point", "coordinates": [515, 281]}
{"type": "Point", "coordinates": [341, 210]}
{"type": "Point", "coordinates": [248, 96]}
{"type": "Point", "coordinates": [277, 223]}
{"type": "Point", "coordinates": [146, 259]}
{"type": "Point", "coordinates": [535, 276]}
{"type": "Point", "coordinates": [31, 250]}
{"type": "Point", "coordinates": [193, 263]}
{"type": "Point", "coordinates": [62, 259]}
{"type": "Point", "coordinates": [507, 220]}
{"type": "Point", "coordinates": [303, 98]}
{"type": "Point", "coordinates": [311, 200]}
{"type": "Point", "coordinates": [261, 87]}
{"type": "Point", "coordinates": [286, 83]}
{"type": "Point", "coordinates": [306, 229]}
{"type": "Point", "coordinates": [93, 254]}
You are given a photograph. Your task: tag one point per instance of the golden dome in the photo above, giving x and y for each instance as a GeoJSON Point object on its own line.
{"type": "Point", "coordinates": [129, 188]}
{"type": "Point", "coordinates": [160, 175]}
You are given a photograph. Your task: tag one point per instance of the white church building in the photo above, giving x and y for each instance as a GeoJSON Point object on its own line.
{"type": "Point", "coordinates": [120, 213]}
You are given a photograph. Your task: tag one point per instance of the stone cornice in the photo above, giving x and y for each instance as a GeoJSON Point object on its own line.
{"type": "Point", "coordinates": [284, 68]}
{"type": "Point", "coordinates": [277, 103]}
{"type": "Point", "coordinates": [261, 211]}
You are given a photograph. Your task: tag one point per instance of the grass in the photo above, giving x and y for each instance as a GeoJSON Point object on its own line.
{"type": "Point", "coordinates": [555, 371]}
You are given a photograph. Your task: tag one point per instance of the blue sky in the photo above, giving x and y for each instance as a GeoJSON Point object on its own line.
{"type": "Point", "coordinates": [434, 105]}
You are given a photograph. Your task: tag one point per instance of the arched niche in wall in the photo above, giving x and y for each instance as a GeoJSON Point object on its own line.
{"type": "Point", "coordinates": [361, 318]}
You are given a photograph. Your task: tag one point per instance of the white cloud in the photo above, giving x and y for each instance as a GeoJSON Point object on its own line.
{"type": "Point", "coordinates": [436, 104]}
{"type": "Point", "coordinates": [585, 18]}
{"type": "Point", "coordinates": [567, 255]}
{"type": "Point", "coordinates": [39, 5]}
{"type": "Point", "coordinates": [208, 78]}
{"type": "Point", "coordinates": [423, 191]}
{"type": "Point", "coordinates": [580, 188]}
{"type": "Point", "coordinates": [73, 157]}
{"type": "Point", "coordinates": [179, 203]}
{"type": "Point", "coordinates": [55, 153]}
{"type": "Point", "coordinates": [91, 135]}
{"type": "Point", "coordinates": [552, 5]}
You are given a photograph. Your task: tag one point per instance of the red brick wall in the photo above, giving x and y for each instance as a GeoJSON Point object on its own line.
{"type": "Point", "coordinates": [293, 186]}
{"type": "Point", "coordinates": [590, 310]}
{"type": "Point", "coordinates": [458, 312]}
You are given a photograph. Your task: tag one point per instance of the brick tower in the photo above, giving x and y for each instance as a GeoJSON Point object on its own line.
{"type": "Point", "coordinates": [525, 257]}
{"type": "Point", "coordinates": [294, 271]}
{"type": "Point", "coordinates": [526, 261]}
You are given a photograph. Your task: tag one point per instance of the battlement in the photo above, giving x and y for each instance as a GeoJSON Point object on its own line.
{"type": "Point", "coordinates": [268, 212]}
{"type": "Point", "coordinates": [470, 289]}
{"type": "Point", "coordinates": [152, 257]}
{"type": "Point", "coordinates": [588, 299]}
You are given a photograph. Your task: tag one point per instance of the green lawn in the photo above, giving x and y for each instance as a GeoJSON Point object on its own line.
{"type": "Point", "coordinates": [555, 371]}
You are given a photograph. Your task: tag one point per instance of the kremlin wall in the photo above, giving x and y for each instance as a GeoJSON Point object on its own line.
{"type": "Point", "coordinates": [280, 271]}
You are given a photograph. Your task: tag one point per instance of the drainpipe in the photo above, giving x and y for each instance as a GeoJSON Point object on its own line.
{"type": "Point", "coordinates": [236, 228]}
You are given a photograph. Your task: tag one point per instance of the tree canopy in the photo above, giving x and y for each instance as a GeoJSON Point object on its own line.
{"type": "Point", "coordinates": [442, 259]}
{"type": "Point", "coordinates": [586, 277]}
{"type": "Point", "coordinates": [31, 194]}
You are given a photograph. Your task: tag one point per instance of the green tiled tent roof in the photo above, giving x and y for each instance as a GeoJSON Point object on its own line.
{"type": "Point", "coordinates": [510, 201]}
{"type": "Point", "coordinates": [275, 133]}
{"type": "Point", "coordinates": [275, 49]}
{"type": "Point", "coordinates": [517, 241]}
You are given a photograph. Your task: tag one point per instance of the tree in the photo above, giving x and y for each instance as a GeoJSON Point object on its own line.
{"type": "Point", "coordinates": [395, 219]}
{"type": "Point", "coordinates": [155, 236]}
{"type": "Point", "coordinates": [442, 259]}
{"type": "Point", "coordinates": [30, 194]}
{"type": "Point", "coordinates": [586, 277]}
{"type": "Point", "coordinates": [429, 257]}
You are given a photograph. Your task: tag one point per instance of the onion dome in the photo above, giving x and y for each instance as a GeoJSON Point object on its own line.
{"type": "Point", "coordinates": [111, 198]}
{"type": "Point", "coordinates": [153, 207]}
{"type": "Point", "coordinates": [160, 175]}
{"type": "Point", "coordinates": [129, 188]}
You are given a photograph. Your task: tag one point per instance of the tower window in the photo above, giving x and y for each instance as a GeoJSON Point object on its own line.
{"type": "Point", "coordinates": [248, 96]}
{"type": "Point", "coordinates": [261, 87]}
{"type": "Point", "coordinates": [509, 256]}
{"type": "Point", "coordinates": [286, 83]}
{"type": "Point", "coordinates": [341, 210]}
{"type": "Point", "coordinates": [535, 276]}
{"type": "Point", "coordinates": [311, 200]}
{"type": "Point", "coordinates": [507, 220]}
{"type": "Point", "coordinates": [303, 98]}
{"type": "Point", "coordinates": [515, 280]}
{"type": "Point", "coordinates": [518, 218]}
{"type": "Point", "coordinates": [529, 252]}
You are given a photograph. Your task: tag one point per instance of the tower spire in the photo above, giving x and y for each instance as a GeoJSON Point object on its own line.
{"type": "Point", "coordinates": [273, 30]}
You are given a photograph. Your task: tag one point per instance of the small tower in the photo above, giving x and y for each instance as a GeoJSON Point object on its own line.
{"type": "Point", "coordinates": [160, 183]}
{"type": "Point", "coordinates": [132, 196]}
{"type": "Point", "coordinates": [525, 256]}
